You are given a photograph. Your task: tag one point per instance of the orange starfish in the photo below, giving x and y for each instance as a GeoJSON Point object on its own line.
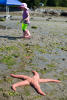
{"type": "Point", "coordinates": [35, 80]}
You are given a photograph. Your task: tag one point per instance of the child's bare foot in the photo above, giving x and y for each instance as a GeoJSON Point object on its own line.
{"type": "Point", "coordinates": [28, 36]}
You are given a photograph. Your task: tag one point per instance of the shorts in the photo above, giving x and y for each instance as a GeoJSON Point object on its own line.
{"type": "Point", "coordinates": [24, 26]}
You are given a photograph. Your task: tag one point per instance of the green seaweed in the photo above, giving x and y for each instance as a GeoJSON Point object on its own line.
{"type": "Point", "coordinates": [63, 98]}
{"type": "Point", "coordinates": [37, 97]}
{"type": "Point", "coordinates": [12, 93]}
{"type": "Point", "coordinates": [26, 91]}
{"type": "Point", "coordinates": [1, 89]}
{"type": "Point", "coordinates": [2, 19]}
{"type": "Point", "coordinates": [42, 58]}
{"type": "Point", "coordinates": [51, 65]}
{"type": "Point", "coordinates": [8, 48]}
{"type": "Point", "coordinates": [65, 34]}
{"type": "Point", "coordinates": [51, 93]}
{"type": "Point", "coordinates": [9, 67]}
{"type": "Point", "coordinates": [1, 80]}
{"type": "Point", "coordinates": [35, 68]}
{"type": "Point", "coordinates": [34, 27]}
{"type": "Point", "coordinates": [63, 77]}
{"type": "Point", "coordinates": [8, 60]}
{"type": "Point", "coordinates": [37, 46]}
{"type": "Point", "coordinates": [8, 79]}
{"type": "Point", "coordinates": [45, 70]}
{"type": "Point", "coordinates": [42, 71]}
{"type": "Point", "coordinates": [16, 55]}
{"type": "Point", "coordinates": [64, 48]}
{"type": "Point", "coordinates": [40, 48]}
{"type": "Point", "coordinates": [5, 94]}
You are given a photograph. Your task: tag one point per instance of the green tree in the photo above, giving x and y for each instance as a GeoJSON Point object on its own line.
{"type": "Point", "coordinates": [52, 2]}
{"type": "Point", "coordinates": [44, 1]}
{"type": "Point", "coordinates": [63, 3]}
{"type": "Point", "coordinates": [32, 3]}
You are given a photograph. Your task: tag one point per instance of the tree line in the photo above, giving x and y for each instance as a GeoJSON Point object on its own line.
{"type": "Point", "coordinates": [32, 3]}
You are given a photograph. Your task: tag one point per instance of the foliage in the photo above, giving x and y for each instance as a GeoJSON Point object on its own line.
{"type": "Point", "coordinates": [35, 3]}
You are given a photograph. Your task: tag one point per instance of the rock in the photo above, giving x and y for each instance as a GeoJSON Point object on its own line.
{"type": "Point", "coordinates": [51, 12]}
{"type": "Point", "coordinates": [63, 59]}
{"type": "Point", "coordinates": [64, 13]}
{"type": "Point", "coordinates": [48, 19]}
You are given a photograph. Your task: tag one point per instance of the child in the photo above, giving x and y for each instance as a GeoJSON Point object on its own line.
{"type": "Point", "coordinates": [25, 20]}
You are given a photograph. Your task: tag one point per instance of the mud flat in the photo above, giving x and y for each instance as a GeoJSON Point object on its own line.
{"type": "Point", "coordinates": [45, 52]}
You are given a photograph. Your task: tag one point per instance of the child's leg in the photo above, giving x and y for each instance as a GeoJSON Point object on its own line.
{"type": "Point", "coordinates": [27, 33]}
{"type": "Point", "coordinates": [25, 30]}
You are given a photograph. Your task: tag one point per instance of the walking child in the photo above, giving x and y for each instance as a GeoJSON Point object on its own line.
{"type": "Point", "coordinates": [25, 20]}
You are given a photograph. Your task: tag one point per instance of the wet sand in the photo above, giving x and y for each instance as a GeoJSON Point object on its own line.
{"type": "Point", "coordinates": [45, 52]}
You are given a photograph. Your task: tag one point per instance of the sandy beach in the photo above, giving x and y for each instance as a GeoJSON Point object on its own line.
{"type": "Point", "coordinates": [45, 52]}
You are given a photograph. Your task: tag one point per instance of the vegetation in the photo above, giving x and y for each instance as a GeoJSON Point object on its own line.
{"type": "Point", "coordinates": [33, 3]}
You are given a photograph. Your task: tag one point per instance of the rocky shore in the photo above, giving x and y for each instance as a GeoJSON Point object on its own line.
{"type": "Point", "coordinates": [53, 12]}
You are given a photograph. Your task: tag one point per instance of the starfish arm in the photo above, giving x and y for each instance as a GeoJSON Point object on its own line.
{"type": "Point", "coordinates": [19, 84]}
{"type": "Point", "coordinates": [48, 80]}
{"type": "Point", "coordinates": [37, 87]}
{"type": "Point", "coordinates": [19, 76]}
{"type": "Point", "coordinates": [36, 74]}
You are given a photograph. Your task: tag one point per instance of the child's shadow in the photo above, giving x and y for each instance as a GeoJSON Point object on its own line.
{"type": "Point", "coordinates": [11, 37]}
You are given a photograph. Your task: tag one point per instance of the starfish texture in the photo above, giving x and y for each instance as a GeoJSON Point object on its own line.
{"type": "Point", "coordinates": [34, 81]}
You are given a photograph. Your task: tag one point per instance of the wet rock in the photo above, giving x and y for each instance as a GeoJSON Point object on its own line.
{"type": "Point", "coordinates": [63, 59]}
{"type": "Point", "coordinates": [45, 68]}
{"type": "Point", "coordinates": [64, 13]}
{"type": "Point", "coordinates": [52, 12]}
{"type": "Point", "coordinates": [48, 19]}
